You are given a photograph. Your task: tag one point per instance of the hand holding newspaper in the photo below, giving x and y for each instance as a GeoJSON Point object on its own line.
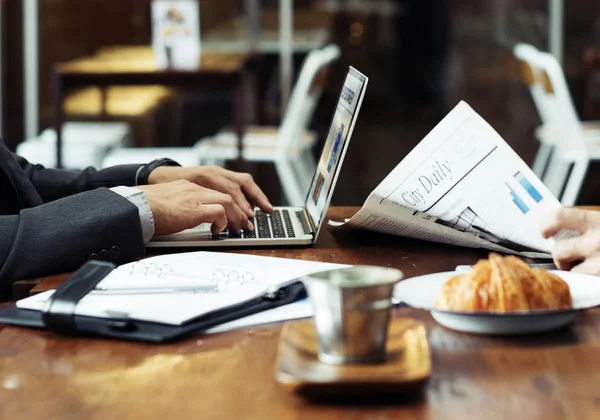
{"type": "Point", "coordinates": [462, 185]}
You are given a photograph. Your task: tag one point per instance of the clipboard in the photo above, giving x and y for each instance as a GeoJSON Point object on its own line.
{"type": "Point", "coordinates": [59, 315]}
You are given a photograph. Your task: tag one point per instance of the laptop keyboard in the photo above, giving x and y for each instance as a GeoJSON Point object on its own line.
{"type": "Point", "coordinates": [275, 225]}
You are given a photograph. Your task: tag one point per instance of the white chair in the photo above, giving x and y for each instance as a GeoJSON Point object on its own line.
{"type": "Point", "coordinates": [574, 149]}
{"type": "Point", "coordinates": [288, 147]}
{"type": "Point", "coordinates": [185, 156]}
{"type": "Point", "coordinates": [543, 100]}
{"type": "Point", "coordinates": [84, 144]}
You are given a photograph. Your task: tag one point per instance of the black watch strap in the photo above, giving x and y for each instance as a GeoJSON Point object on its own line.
{"type": "Point", "coordinates": [143, 173]}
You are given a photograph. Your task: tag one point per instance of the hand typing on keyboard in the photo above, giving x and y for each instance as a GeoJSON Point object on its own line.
{"type": "Point", "coordinates": [182, 205]}
{"type": "Point", "coordinates": [182, 198]}
{"type": "Point", "coordinates": [239, 186]}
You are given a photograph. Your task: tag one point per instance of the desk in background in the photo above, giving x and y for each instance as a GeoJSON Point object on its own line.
{"type": "Point", "coordinates": [231, 375]}
{"type": "Point", "coordinates": [233, 37]}
{"type": "Point", "coordinates": [135, 66]}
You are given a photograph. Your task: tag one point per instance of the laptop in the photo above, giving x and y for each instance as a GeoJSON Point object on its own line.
{"type": "Point", "coordinates": [291, 226]}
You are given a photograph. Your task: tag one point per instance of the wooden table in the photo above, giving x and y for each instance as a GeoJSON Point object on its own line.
{"type": "Point", "coordinates": [114, 66]}
{"type": "Point", "coordinates": [233, 36]}
{"type": "Point", "coordinates": [231, 375]}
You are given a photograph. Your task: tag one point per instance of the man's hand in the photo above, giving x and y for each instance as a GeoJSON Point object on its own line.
{"type": "Point", "coordinates": [239, 186]}
{"type": "Point", "coordinates": [180, 205]}
{"type": "Point", "coordinates": [581, 254]}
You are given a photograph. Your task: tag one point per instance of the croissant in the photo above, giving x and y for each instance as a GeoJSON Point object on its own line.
{"type": "Point", "coordinates": [504, 284]}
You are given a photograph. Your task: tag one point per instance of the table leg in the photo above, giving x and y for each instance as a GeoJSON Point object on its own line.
{"type": "Point", "coordinates": [103, 102]}
{"type": "Point", "coordinates": [239, 115]}
{"type": "Point", "coordinates": [256, 90]}
{"type": "Point", "coordinates": [58, 115]}
{"type": "Point", "coordinates": [177, 120]}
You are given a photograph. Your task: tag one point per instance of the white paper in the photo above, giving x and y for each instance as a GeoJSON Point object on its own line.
{"type": "Point", "coordinates": [176, 33]}
{"type": "Point", "coordinates": [462, 185]}
{"type": "Point", "coordinates": [239, 279]}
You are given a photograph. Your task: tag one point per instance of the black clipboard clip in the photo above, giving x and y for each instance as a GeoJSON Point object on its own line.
{"type": "Point", "coordinates": [59, 315]}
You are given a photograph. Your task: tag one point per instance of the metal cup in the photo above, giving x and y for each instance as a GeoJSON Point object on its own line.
{"type": "Point", "coordinates": [352, 309]}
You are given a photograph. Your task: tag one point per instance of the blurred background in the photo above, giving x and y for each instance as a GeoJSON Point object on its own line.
{"type": "Point", "coordinates": [422, 57]}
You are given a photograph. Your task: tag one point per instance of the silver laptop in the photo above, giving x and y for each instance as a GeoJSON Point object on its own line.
{"type": "Point", "coordinates": [292, 225]}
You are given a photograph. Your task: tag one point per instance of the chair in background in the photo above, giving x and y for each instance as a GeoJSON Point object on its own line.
{"type": "Point", "coordinates": [526, 55]}
{"type": "Point", "coordinates": [574, 147]}
{"type": "Point", "coordinates": [543, 99]}
{"type": "Point", "coordinates": [288, 147]}
{"type": "Point", "coordinates": [141, 107]}
{"type": "Point", "coordinates": [84, 144]}
{"type": "Point", "coordinates": [185, 156]}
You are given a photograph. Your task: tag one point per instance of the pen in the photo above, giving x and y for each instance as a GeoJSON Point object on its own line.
{"type": "Point", "coordinates": [153, 290]}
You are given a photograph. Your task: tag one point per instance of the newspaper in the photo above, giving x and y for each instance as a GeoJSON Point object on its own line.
{"type": "Point", "coordinates": [462, 185]}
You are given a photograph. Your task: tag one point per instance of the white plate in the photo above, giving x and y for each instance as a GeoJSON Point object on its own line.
{"type": "Point", "coordinates": [421, 292]}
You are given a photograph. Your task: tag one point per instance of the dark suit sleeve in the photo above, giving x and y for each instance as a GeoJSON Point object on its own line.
{"type": "Point", "coordinates": [60, 236]}
{"type": "Point", "coordinates": [53, 184]}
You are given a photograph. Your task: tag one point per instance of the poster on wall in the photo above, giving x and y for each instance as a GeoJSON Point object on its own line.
{"type": "Point", "coordinates": [176, 33]}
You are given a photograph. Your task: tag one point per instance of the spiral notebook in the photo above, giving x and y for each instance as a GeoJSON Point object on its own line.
{"type": "Point", "coordinates": [179, 293]}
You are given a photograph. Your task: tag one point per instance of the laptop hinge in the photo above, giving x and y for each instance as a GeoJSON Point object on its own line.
{"type": "Point", "coordinates": [310, 222]}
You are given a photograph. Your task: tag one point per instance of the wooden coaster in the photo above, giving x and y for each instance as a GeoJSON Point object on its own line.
{"type": "Point", "coordinates": [406, 369]}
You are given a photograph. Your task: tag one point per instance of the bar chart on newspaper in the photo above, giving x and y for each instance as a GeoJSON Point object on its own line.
{"type": "Point", "coordinates": [462, 185]}
{"type": "Point", "coordinates": [528, 188]}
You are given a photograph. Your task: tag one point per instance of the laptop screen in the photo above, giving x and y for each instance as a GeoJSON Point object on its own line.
{"type": "Point", "coordinates": [340, 131]}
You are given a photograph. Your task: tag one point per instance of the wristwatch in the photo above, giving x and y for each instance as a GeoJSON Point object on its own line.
{"type": "Point", "coordinates": [141, 177]}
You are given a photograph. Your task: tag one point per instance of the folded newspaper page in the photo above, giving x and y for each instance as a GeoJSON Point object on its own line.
{"type": "Point", "coordinates": [462, 185]}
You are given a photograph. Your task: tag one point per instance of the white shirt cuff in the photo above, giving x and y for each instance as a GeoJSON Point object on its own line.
{"type": "Point", "coordinates": [138, 198]}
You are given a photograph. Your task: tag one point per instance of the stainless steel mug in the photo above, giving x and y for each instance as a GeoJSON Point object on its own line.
{"type": "Point", "coordinates": [352, 309]}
